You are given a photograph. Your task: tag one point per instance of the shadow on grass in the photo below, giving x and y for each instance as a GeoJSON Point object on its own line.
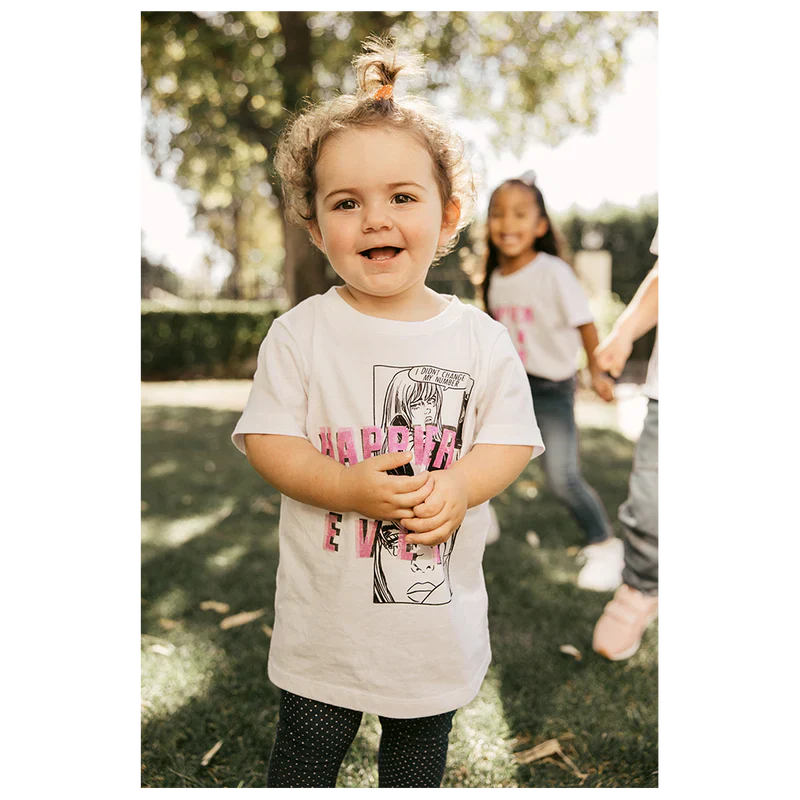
{"type": "Point", "coordinates": [210, 533]}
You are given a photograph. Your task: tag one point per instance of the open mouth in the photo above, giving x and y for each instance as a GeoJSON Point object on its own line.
{"type": "Point", "coordinates": [420, 592]}
{"type": "Point", "coordinates": [381, 253]}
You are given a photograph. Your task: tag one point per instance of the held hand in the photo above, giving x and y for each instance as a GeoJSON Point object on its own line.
{"type": "Point", "coordinates": [443, 511]}
{"type": "Point", "coordinates": [603, 385]}
{"type": "Point", "coordinates": [612, 353]}
{"type": "Point", "coordinates": [366, 488]}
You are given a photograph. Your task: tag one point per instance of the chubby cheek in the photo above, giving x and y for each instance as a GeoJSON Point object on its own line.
{"type": "Point", "coordinates": [426, 237]}
{"type": "Point", "coordinates": [338, 239]}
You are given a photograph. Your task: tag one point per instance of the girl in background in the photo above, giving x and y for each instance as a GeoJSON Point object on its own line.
{"type": "Point", "coordinates": [536, 295]}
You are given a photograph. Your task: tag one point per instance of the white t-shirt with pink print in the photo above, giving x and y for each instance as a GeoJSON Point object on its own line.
{"type": "Point", "coordinates": [542, 304]}
{"type": "Point", "coordinates": [362, 619]}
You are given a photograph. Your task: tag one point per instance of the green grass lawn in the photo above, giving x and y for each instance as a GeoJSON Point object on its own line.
{"type": "Point", "coordinates": [210, 532]}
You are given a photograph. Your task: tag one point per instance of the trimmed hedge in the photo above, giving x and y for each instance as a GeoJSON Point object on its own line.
{"type": "Point", "coordinates": [216, 339]}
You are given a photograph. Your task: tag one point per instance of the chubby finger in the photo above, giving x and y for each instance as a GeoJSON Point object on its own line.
{"type": "Point", "coordinates": [412, 500]}
{"type": "Point", "coordinates": [387, 461]}
{"type": "Point", "coordinates": [399, 514]}
{"type": "Point", "coordinates": [412, 483]}
{"type": "Point", "coordinates": [430, 508]}
{"type": "Point", "coordinates": [425, 525]}
{"type": "Point", "coordinates": [432, 538]}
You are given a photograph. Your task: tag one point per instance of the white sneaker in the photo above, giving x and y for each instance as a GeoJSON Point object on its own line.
{"type": "Point", "coordinates": [493, 533]}
{"type": "Point", "coordinates": [604, 562]}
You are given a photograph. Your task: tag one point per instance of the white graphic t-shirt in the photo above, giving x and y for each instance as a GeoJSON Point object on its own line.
{"type": "Point", "coordinates": [542, 304]}
{"type": "Point", "coordinates": [654, 383]}
{"type": "Point", "coordinates": [362, 619]}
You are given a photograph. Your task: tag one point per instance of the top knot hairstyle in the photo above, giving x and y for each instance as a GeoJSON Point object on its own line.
{"type": "Point", "coordinates": [379, 65]}
{"type": "Point", "coordinates": [373, 105]}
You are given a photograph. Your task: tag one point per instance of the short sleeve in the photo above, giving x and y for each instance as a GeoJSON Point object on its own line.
{"type": "Point", "coordinates": [505, 414]}
{"type": "Point", "coordinates": [657, 245]}
{"type": "Point", "coordinates": [574, 303]}
{"type": "Point", "coordinates": [278, 400]}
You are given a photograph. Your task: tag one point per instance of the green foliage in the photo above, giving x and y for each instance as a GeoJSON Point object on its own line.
{"type": "Point", "coordinates": [203, 340]}
{"type": "Point", "coordinates": [219, 87]}
{"type": "Point", "coordinates": [627, 234]}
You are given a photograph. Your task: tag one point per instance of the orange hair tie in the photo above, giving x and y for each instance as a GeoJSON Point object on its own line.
{"type": "Point", "coordinates": [384, 93]}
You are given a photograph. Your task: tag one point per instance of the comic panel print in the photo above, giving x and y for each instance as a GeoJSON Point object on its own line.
{"type": "Point", "coordinates": [420, 408]}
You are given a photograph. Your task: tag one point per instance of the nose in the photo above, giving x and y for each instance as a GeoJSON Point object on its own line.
{"type": "Point", "coordinates": [423, 565]}
{"type": "Point", "coordinates": [376, 218]}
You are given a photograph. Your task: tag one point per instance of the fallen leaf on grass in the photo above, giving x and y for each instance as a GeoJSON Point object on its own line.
{"type": "Point", "coordinates": [213, 605]}
{"type": "Point", "coordinates": [571, 651]}
{"type": "Point", "coordinates": [267, 630]}
{"type": "Point", "coordinates": [168, 624]}
{"type": "Point", "coordinates": [571, 764]}
{"type": "Point", "coordinates": [545, 750]}
{"type": "Point", "coordinates": [554, 762]}
{"type": "Point", "coordinates": [532, 538]}
{"type": "Point", "coordinates": [241, 619]}
{"type": "Point", "coordinates": [211, 753]}
{"type": "Point", "coordinates": [163, 651]}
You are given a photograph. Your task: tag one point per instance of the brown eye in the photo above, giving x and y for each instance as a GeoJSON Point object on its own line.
{"type": "Point", "coordinates": [346, 205]}
{"type": "Point", "coordinates": [403, 198]}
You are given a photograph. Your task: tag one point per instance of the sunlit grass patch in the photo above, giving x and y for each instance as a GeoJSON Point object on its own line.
{"type": "Point", "coordinates": [176, 668]}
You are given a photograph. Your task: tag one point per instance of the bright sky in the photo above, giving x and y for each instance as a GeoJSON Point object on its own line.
{"type": "Point", "coordinates": [618, 163]}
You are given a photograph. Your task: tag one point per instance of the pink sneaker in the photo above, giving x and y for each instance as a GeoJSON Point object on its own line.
{"type": "Point", "coordinates": [619, 630]}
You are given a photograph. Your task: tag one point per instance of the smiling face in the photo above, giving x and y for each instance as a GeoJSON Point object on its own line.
{"type": "Point", "coordinates": [515, 221]}
{"type": "Point", "coordinates": [379, 215]}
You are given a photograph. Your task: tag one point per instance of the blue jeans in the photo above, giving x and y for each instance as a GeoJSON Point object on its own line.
{"type": "Point", "coordinates": [639, 513]}
{"type": "Point", "coordinates": [554, 404]}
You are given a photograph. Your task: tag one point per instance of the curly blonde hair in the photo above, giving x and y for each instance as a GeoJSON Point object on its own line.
{"type": "Point", "coordinates": [302, 140]}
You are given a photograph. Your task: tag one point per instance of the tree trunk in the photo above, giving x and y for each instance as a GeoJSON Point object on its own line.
{"type": "Point", "coordinates": [236, 252]}
{"type": "Point", "coordinates": [304, 272]}
{"type": "Point", "coordinates": [304, 265]}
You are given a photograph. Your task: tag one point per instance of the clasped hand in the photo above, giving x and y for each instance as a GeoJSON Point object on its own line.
{"type": "Point", "coordinates": [430, 505]}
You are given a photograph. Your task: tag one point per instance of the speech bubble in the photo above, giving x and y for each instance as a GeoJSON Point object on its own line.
{"type": "Point", "coordinates": [441, 377]}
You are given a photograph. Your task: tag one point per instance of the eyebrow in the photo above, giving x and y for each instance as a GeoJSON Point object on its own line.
{"type": "Point", "coordinates": [388, 186]}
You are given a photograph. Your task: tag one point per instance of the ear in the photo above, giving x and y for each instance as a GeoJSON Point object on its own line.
{"type": "Point", "coordinates": [316, 235]}
{"type": "Point", "coordinates": [542, 226]}
{"type": "Point", "coordinates": [450, 217]}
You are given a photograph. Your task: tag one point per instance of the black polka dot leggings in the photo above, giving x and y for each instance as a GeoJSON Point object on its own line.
{"type": "Point", "coordinates": [313, 739]}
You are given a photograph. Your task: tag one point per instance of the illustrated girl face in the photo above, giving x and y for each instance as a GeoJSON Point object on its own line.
{"type": "Point", "coordinates": [417, 402]}
{"type": "Point", "coordinates": [515, 220]}
{"type": "Point", "coordinates": [423, 412]}
{"type": "Point", "coordinates": [421, 580]}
